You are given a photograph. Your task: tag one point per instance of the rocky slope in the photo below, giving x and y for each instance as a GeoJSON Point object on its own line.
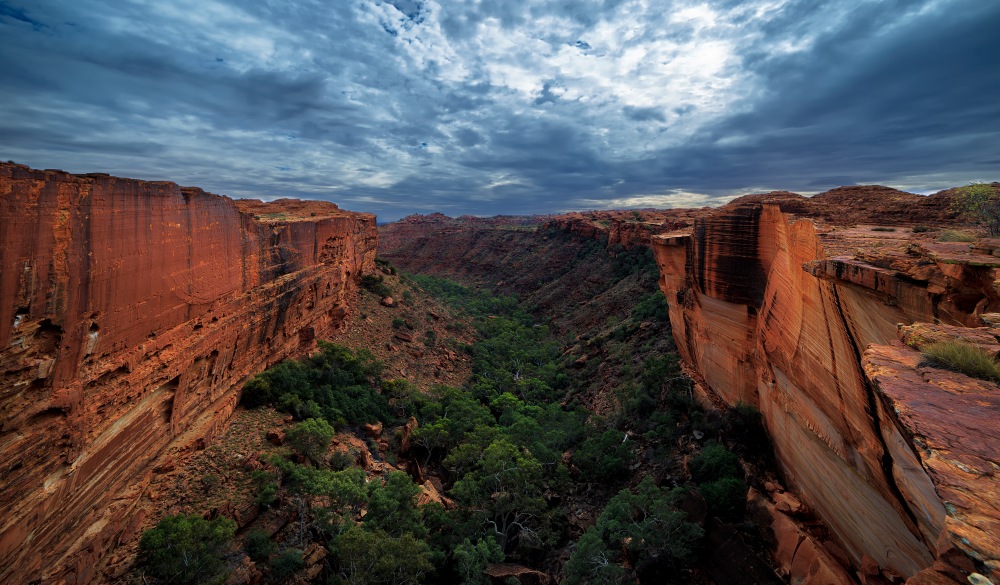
{"type": "Point", "coordinates": [130, 314]}
{"type": "Point", "coordinates": [582, 286]}
{"type": "Point", "coordinates": [775, 300]}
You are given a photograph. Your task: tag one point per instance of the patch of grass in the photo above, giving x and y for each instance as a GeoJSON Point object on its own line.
{"type": "Point", "coordinates": [956, 236]}
{"type": "Point", "coordinates": [964, 358]}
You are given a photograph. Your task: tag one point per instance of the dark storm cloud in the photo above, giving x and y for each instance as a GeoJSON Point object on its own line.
{"type": "Point", "coordinates": [504, 107]}
{"type": "Point", "coordinates": [914, 100]}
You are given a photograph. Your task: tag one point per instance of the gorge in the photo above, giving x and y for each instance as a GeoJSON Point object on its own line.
{"type": "Point", "coordinates": [132, 313]}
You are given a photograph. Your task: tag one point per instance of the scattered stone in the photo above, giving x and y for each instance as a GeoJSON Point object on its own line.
{"type": "Point", "coordinates": [403, 336]}
{"type": "Point", "coordinates": [275, 437]}
{"type": "Point", "coordinates": [388, 302]}
{"type": "Point", "coordinates": [505, 573]}
{"type": "Point", "coordinates": [787, 503]}
{"type": "Point", "coordinates": [313, 560]}
{"type": "Point", "coordinates": [166, 466]}
{"type": "Point", "coordinates": [415, 472]}
{"type": "Point", "coordinates": [372, 430]}
{"type": "Point", "coordinates": [246, 573]}
{"type": "Point", "coordinates": [869, 566]}
{"type": "Point", "coordinates": [364, 459]}
{"type": "Point", "coordinates": [404, 436]}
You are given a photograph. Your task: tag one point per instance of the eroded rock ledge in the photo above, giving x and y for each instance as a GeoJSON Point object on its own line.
{"type": "Point", "coordinates": [774, 309]}
{"type": "Point", "coordinates": [131, 312]}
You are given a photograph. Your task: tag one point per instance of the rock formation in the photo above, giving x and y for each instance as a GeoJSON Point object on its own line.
{"type": "Point", "coordinates": [775, 300]}
{"type": "Point", "coordinates": [131, 313]}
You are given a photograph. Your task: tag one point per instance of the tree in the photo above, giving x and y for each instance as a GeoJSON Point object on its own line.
{"type": "Point", "coordinates": [648, 525]}
{"type": "Point", "coordinates": [471, 560]}
{"type": "Point", "coordinates": [186, 549]}
{"type": "Point", "coordinates": [375, 558]}
{"type": "Point", "coordinates": [392, 507]}
{"type": "Point", "coordinates": [311, 438]}
{"type": "Point", "coordinates": [605, 457]}
{"type": "Point", "coordinates": [592, 563]}
{"type": "Point", "coordinates": [506, 489]}
{"type": "Point", "coordinates": [980, 203]}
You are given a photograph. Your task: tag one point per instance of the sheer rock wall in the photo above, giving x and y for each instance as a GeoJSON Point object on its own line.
{"type": "Point", "coordinates": [131, 313]}
{"type": "Point", "coordinates": [771, 310]}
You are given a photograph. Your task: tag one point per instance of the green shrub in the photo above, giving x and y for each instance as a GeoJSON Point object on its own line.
{"type": "Point", "coordinates": [385, 266]}
{"type": "Point", "coordinates": [376, 285]}
{"type": "Point", "coordinates": [725, 498]}
{"type": "Point", "coordinates": [341, 460]}
{"type": "Point", "coordinates": [605, 457]}
{"type": "Point", "coordinates": [259, 546]}
{"type": "Point", "coordinates": [186, 549]}
{"type": "Point", "coordinates": [965, 358]}
{"type": "Point", "coordinates": [652, 307]}
{"type": "Point", "coordinates": [979, 203]}
{"type": "Point", "coordinates": [919, 229]}
{"type": "Point", "coordinates": [266, 485]}
{"type": "Point", "coordinates": [956, 236]}
{"type": "Point", "coordinates": [286, 564]}
{"type": "Point", "coordinates": [311, 438]}
{"type": "Point", "coordinates": [883, 229]}
{"type": "Point", "coordinates": [713, 463]}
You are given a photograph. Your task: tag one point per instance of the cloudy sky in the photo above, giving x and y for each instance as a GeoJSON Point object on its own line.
{"type": "Point", "coordinates": [505, 106]}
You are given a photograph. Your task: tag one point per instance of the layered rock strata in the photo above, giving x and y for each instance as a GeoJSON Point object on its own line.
{"type": "Point", "coordinates": [131, 313]}
{"type": "Point", "coordinates": [776, 310]}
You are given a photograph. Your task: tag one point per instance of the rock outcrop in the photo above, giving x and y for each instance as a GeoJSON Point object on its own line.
{"type": "Point", "coordinates": [774, 301]}
{"type": "Point", "coordinates": [131, 313]}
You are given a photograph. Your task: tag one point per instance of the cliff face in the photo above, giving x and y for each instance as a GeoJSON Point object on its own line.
{"type": "Point", "coordinates": [131, 313]}
{"type": "Point", "coordinates": [771, 310]}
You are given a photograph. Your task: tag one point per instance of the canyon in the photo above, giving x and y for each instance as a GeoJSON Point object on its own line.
{"type": "Point", "coordinates": [132, 313]}
{"type": "Point", "coordinates": [804, 308]}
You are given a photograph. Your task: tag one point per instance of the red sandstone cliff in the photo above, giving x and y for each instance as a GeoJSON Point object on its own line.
{"type": "Point", "coordinates": [773, 309]}
{"type": "Point", "coordinates": [131, 313]}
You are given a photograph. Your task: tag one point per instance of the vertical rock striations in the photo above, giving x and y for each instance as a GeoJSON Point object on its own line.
{"type": "Point", "coordinates": [131, 313]}
{"type": "Point", "coordinates": [774, 311]}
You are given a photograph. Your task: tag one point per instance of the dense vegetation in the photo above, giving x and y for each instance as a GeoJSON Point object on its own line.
{"type": "Point", "coordinates": [513, 450]}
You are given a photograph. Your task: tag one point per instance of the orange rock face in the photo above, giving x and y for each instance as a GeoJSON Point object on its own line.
{"type": "Point", "coordinates": [131, 313]}
{"type": "Point", "coordinates": [774, 309]}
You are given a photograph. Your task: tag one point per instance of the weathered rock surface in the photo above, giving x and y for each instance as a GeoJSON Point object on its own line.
{"type": "Point", "coordinates": [774, 309]}
{"type": "Point", "coordinates": [131, 313]}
